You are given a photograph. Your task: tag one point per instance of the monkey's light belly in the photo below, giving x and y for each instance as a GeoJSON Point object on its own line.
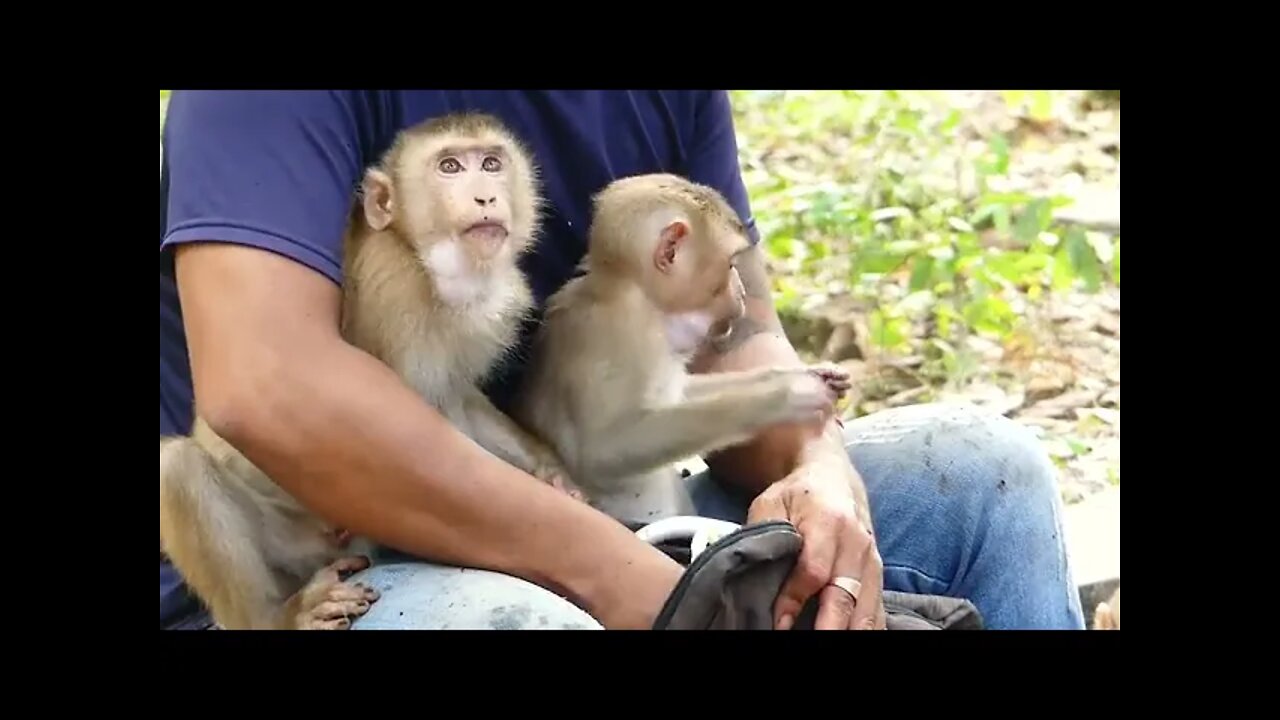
{"type": "Point", "coordinates": [422, 596]}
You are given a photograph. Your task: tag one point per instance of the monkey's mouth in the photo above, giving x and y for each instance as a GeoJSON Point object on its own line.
{"type": "Point", "coordinates": [487, 228]}
{"type": "Point", "coordinates": [489, 235]}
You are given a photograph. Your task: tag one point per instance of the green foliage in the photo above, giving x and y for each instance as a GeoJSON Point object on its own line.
{"type": "Point", "coordinates": [890, 197]}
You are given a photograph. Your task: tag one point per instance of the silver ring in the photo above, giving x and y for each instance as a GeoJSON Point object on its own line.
{"type": "Point", "coordinates": [853, 586]}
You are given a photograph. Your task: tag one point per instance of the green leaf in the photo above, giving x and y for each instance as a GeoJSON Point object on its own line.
{"type": "Point", "coordinates": [781, 246]}
{"type": "Point", "coordinates": [1013, 98]}
{"type": "Point", "coordinates": [1062, 278]}
{"type": "Point", "coordinates": [1115, 263]}
{"type": "Point", "coordinates": [1084, 261]}
{"type": "Point", "coordinates": [921, 273]}
{"type": "Point", "coordinates": [886, 331]}
{"type": "Point", "coordinates": [951, 123]}
{"type": "Point", "coordinates": [1028, 226]}
{"type": "Point", "coordinates": [1001, 216]}
{"type": "Point", "coordinates": [1000, 146]}
{"type": "Point", "coordinates": [1042, 105]}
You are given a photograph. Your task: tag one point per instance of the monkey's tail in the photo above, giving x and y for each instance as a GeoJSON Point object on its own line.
{"type": "Point", "coordinates": [208, 535]}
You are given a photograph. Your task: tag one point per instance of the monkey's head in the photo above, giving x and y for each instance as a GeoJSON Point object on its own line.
{"type": "Point", "coordinates": [461, 189]}
{"type": "Point", "coordinates": [680, 242]}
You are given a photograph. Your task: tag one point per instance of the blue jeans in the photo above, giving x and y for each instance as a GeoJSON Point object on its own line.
{"type": "Point", "coordinates": [965, 504]}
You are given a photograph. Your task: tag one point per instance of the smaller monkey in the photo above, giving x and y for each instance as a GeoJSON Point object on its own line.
{"type": "Point", "coordinates": [432, 288]}
{"type": "Point", "coordinates": [607, 383]}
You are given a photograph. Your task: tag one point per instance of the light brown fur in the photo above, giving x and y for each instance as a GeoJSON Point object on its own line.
{"type": "Point", "coordinates": [428, 292]}
{"type": "Point", "coordinates": [607, 385]}
{"type": "Point", "coordinates": [1107, 615]}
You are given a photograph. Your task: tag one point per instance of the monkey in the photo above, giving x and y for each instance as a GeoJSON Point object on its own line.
{"type": "Point", "coordinates": [1107, 614]}
{"type": "Point", "coordinates": [607, 383]}
{"type": "Point", "coordinates": [432, 288]}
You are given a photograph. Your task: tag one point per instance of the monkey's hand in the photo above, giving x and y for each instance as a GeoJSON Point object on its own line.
{"type": "Point", "coordinates": [328, 602]}
{"type": "Point", "coordinates": [551, 472]}
{"type": "Point", "coordinates": [836, 378]}
{"type": "Point", "coordinates": [806, 394]}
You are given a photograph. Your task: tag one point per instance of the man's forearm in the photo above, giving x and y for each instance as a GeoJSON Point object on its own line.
{"type": "Point", "coordinates": [344, 435]}
{"type": "Point", "coordinates": [758, 340]}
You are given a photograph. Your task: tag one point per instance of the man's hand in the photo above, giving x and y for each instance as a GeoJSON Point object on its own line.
{"type": "Point", "coordinates": [802, 476]}
{"type": "Point", "coordinates": [817, 498]}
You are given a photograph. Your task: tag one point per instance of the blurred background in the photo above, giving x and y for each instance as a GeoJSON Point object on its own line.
{"type": "Point", "coordinates": [957, 245]}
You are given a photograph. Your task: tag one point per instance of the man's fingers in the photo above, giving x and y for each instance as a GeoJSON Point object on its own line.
{"type": "Point", "coordinates": [812, 571]}
{"type": "Point", "coordinates": [835, 609]}
{"type": "Point", "coordinates": [867, 615]}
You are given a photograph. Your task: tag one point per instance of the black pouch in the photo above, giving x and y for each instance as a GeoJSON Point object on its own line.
{"type": "Point", "coordinates": [732, 585]}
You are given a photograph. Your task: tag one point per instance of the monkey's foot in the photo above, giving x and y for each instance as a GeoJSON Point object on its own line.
{"type": "Point", "coordinates": [327, 602]}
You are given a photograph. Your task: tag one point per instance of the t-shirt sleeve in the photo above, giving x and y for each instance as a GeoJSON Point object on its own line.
{"type": "Point", "coordinates": [713, 155]}
{"type": "Point", "coordinates": [273, 170]}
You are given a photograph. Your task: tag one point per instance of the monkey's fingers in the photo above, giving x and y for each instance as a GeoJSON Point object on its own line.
{"type": "Point", "coordinates": [830, 372]}
{"type": "Point", "coordinates": [351, 592]}
{"type": "Point", "coordinates": [343, 609]}
{"type": "Point", "coordinates": [836, 378]}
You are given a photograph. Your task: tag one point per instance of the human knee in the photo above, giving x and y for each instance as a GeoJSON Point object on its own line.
{"type": "Point", "coordinates": [961, 449]}
{"type": "Point", "coordinates": [423, 596]}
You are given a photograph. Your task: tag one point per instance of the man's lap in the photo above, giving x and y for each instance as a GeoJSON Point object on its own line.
{"type": "Point", "coordinates": [965, 503]}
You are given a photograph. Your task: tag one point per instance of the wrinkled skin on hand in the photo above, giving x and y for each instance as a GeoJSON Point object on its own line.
{"type": "Point", "coordinates": [817, 498]}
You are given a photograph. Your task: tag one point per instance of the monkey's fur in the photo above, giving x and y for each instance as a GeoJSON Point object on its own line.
{"type": "Point", "coordinates": [607, 384]}
{"type": "Point", "coordinates": [431, 288]}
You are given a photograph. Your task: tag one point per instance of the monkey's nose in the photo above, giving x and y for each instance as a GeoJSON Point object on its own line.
{"type": "Point", "coordinates": [482, 202]}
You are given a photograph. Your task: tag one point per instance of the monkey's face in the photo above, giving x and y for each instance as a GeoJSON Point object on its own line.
{"type": "Point", "coordinates": [698, 285]}
{"type": "Point", "coordinates": [475, 193]}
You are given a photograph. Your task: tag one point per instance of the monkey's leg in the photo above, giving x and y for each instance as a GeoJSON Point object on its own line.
{"type": "Point", "coordinates": [499, 434]}
{"type": "Point", "coordinates": [732, 413]}
{"type": "Point", "coordinates": [210, 539]}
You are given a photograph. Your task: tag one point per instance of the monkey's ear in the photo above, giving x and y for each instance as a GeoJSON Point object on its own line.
{"type": "Point", "coordinates": [672, 235]}
{"type": "Point", "coordinates": [378, 200]}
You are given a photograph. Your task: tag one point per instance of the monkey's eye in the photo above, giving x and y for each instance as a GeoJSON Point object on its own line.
{"type": "Point", "coordinates": [450, 166]}
{"type": "Point", "coordinates": [491, 164]}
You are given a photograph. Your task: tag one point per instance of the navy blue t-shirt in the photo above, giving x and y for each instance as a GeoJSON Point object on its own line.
{"type": "Point", "coordinates": [277, 170]}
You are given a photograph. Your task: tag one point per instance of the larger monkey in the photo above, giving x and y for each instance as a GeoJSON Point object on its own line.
{"type": "Point", "coordinates": [607, 385]}
{"type": "Point", "coordinates": [432, 288]}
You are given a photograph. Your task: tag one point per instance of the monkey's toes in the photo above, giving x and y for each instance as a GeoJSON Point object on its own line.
{"type": "Point", "coordinates": [340, 610]}
{"type": "Point", "coordinates": [339, 624]}
{"type": "Point", "coordinates": [348, 592]}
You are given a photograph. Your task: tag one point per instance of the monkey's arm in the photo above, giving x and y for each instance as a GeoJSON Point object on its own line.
{"type": "Point", "coordinates": [757, 340]}
{"type": "Point", "coordinates": [500, 435]}
{"type": "Point", "coordinates": [738, 405]}
{"type": "Point", "coordinates": [700, 386]}
{"type": "Point", "coordinates": [341, 432]}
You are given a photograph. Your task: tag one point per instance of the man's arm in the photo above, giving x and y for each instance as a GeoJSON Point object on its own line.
{"type": "Point", "coordinates": [255, 260]}
{"type": "Point", "coordinates": [758, 340]}
{"type": "Point", "coordinates": [802, 475]}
